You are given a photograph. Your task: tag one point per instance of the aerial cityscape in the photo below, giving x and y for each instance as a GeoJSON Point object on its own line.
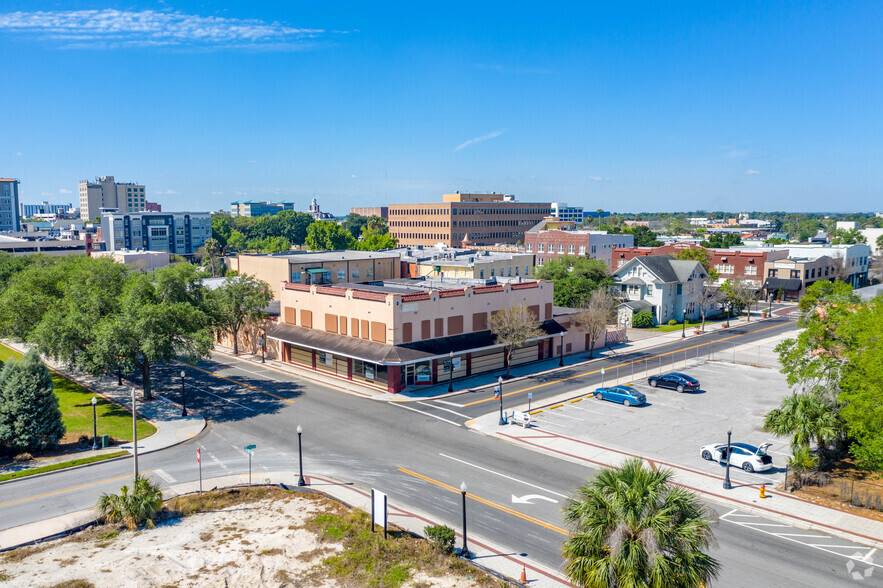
{"type": "Point", "coordinates": [465, 295]}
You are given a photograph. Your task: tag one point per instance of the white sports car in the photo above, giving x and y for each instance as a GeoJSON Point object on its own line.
{"type": "Point", "coordinates": [742, 455]}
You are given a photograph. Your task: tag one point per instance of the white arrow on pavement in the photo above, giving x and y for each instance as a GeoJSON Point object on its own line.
{"type": "Point", "coordinates": [526, 499]}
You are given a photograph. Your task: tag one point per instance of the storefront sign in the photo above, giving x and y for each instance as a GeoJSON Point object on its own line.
{"type": "Point", "coordinates": [369, 372]}
{"type": "Point", "coordinates": [424, 374]}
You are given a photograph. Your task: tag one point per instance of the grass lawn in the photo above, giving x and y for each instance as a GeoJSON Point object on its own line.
{"type": "Point", "coordinates": [60, 466]}
{"type": "Point", "coordinates": [75, 403]}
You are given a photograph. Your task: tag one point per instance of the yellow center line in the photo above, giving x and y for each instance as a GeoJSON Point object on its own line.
{"type": "Point", "coordinates": [598, 371]}
{"type": "Point", "coordinates": [236, 382]}
{"type": "Point", "coordinates": [500, 507]}
{"type": "Point", "coordinates": [63, 490]}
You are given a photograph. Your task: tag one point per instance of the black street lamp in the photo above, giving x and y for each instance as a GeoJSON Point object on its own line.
{"type": "Point", "coordinates": [300, 458]}
{"type": "Point", "coordinates": [183, 395]}
{"type": "Point", "coordinates": [94, 425]}
{"type": "Point", "coordinates": [465, 551]}
{"type": "Point", "coordinates": [500, 393]}
{"type": "Point", "coordinates": [119, 376]}
{"type": "Point", "coordinates": [770, 311]}
{"type": "Point", "coordinates": [727, 484]}
{"type": "Point", "coordinates": [684, 324]}
{"type": "Point", "coordinates": [561, 360]}
{"type": "Point", "coordinates": [451, 375]}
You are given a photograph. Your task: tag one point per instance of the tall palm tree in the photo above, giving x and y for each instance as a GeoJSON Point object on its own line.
{"type": "Point", "coordinates": [806, 417]}
{"type": "Point", "coordinates": [632, 528]}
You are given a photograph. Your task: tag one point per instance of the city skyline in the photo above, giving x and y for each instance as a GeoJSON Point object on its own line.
{"type": "Point", "coordinates": [632, 108]}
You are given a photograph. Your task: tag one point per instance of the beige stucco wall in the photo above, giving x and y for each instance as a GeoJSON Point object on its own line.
{"type": "Point", "coordinates": [491, 267]}
{"type": "Point", "coordinates": [272, 270]}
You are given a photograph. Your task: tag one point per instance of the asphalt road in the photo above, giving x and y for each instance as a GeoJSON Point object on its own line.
{"type": "Point", "coordinates": [420, 461]}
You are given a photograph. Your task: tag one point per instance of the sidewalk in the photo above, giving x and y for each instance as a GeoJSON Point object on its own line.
{"type": "Point", "coordinates": [744, 495]}
{"type": "Point", "coordinates": [484, 553]}
{"type": "Point", "coordinates": [165, 415]}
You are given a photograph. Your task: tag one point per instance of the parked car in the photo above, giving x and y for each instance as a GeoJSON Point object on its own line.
{"type": "Point", "coordinates": [621, 394]}
{"type": "Point", "coordinates": [742, 455]}
{"type": "Point", "coordinates": [675, 381]}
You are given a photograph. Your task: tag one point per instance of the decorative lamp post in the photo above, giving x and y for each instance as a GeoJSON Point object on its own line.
{"type": "Point", "coordinates": [94, 425]}
{"type": "Point", "coordinates": [500, 393]}
{"type": "Point", "coordinates": [451, 375]}
{"type": "Point", "coordinates": [561, 359]}
{"type": "Point", "coordinates": [119, 376]}
{"type": "Point", "coordinates": [727, 484]}
{"type": "Point", "coordinates": [300, 458]}
{"type": "Point", "coordinates": [684, 323]}
{"type": "Point", "coordinates": [183, 395]}
{"type": "Point", "coordinates": [263, 343]}
{"type": "Point", "coordinates": [729, 308]}
{"type": "Point", "coordinates": [770, 311]}
{"type": "Point", "coordinates": [465, 551]}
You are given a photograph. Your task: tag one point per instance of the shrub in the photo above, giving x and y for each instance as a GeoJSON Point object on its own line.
{"type": "Point", "coordinates": [23, 458]}
{"type": "Point", "coordinates": [672, 322]}
{"type": "Point", "coordinates": [140, 506]}
{"type": "Point", "coordinates": [803, 459]}
{"type": "Point", "coordinates": [643, 320]}
{"type": "Point", "coordinates": [442, 536]}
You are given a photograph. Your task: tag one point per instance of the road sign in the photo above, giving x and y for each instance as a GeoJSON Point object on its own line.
{"type": "Point", "coordinates": [250, 449]}
{"type": "Point", "coordinates": [529, 395]}
{"type": "Point", "coordinates": [197, 456]}
{"type": "Point", "coordinates": [602, 371]}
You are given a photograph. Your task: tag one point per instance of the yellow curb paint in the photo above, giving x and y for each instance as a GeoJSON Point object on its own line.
{"type": "Point", "coordinates": [470, 423]}
{"type": "Point", "coordinates": [556, 406]}
{"type": "Point", "coordinates": [536, 412]}
{"type": "Point", "coordinates": [575, 400]}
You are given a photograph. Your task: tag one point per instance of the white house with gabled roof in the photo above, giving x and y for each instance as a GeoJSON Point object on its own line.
{"type": "Point", "coordinates": [661, 285]}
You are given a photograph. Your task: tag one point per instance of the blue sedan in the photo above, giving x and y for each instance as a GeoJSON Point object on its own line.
{"type": "Point", "coordinates": [622, 394]}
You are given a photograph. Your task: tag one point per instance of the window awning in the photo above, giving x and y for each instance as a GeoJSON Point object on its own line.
{"type": "Point", "coordinates": [316, 270]}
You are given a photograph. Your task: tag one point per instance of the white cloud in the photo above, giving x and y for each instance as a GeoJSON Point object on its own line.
{"type": "Point", "coordinates": [64, 191]}
{"type": "Point", "coordinates": [238, 193]}
{"type": "Point", "coordinates": [596, 178]}
{"type": "Point", "coordinates": [169, 192]}
{"type": "Point", "coordinates": [110, 28]}
{"type": "Point", "coordinates": [751, 172]}
{"type": "Point", "coordinates": [353, 176]}
{"type": "Point", "coordinates": [17, 153]}
{"type": "Point", "coordinates": [493, 135]}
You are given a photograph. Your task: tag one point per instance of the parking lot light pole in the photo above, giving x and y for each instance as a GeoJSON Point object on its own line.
{"type": "Point", "coordinates": [727, 484]}
{"type": "Point", "coordinates": [300, 458]}
{"type": "Point", "coordinates": [561, 360]}
{"type": "Point", "coordinates": [183, 395]}
{"type": "Point", "coordinates": [465, 551]}
{"type": "Point", "coordinates": [94, 425]}
{"type": "Point", "coordinates": [684, 324]}
{"type": "Point", "coordinates": [451, 375]}
{"type": "Point", "coordinates": [500, 392]}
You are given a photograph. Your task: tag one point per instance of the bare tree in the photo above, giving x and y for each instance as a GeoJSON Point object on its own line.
{"type": "Point", "coordinates": [595, 314]}
{"type": "Point", "coordinates": [742, 293]}
{"type": "Point", "coordinates": [705, 296]}
{"type": "Point", "coordinates": [514, 327]}
{"type": "Point", "coordinates": [838, 270]}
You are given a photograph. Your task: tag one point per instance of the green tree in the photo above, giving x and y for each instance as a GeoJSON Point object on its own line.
{"type": "Point", "coordinates": [222, 228]}
{"type": "Point", "coordinates": [574, 278]}
{"type": "Point", "coordinates": [514, 327]}
{"type": "Point", "coordinates": [238, 300]}
{"type": "Point", "coordinates": [328, 235]}
{"type": "Point", "coordinates": [722, 240]}
{"type": "Point", "coordinates": [847, 237]}
{"type": "Point", "coordinates": [10, 265]}
{"type": "Point", "coordinates": [643, 320]}
{"type": "Point", "coordinates": [633, 527]}
{"type": "Point", "coordinates": [703, 256]}
{"type": "Point", "coordinates": [30, 419]}
{"type": "Point", "coordinates": [293, 226]}
{"type": "Point", "coordinates": [355, 224]}
{"type": "Point", "coordinates": [134, 508]}
{"type": "Point", "coordinates": [374, 241]}
{"type": "Point", "coordinates": [212, 249]}
{"type": "Point", "coordinates": [238, 241]}
{"type": "Point", "coordinates": [806, 417]}
{"type": "Point", "coordinates": [644, 237]}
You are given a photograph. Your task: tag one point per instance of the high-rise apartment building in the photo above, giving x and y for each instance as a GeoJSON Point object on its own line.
{"type": "Point", "coordinates": [181, 233]}
{"type": "Point", "coordinates": [9, 218]}
{"type": "Point", "coordinates": [256, 208]}
{"type": "Point", "coordinates": [32, 210]}
{"type": "Point", "coordinates": [568, 213]}
{"type": "Point", "coordinates": [105, 192]}
{"type": "Point", "coordinates": [475, 219]}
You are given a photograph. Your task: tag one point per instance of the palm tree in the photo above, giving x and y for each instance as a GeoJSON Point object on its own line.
{"type": "Point", "coordinates": [806, 417]}
{"type": "Point", "coordinates": [212, 248]}
{"type": "Point", "coordinates": [140, 506]}
{"type": "Point", "coordinates": [632, 527]}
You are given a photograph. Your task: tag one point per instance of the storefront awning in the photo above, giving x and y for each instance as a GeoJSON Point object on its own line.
{"type": "Point", "coordinates": [786, 285]}
{"type": "Point", "coordinates": [316, 270]}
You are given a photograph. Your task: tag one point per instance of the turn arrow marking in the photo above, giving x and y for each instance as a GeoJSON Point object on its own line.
{"type": "Point", "coordinates": [526, 499]}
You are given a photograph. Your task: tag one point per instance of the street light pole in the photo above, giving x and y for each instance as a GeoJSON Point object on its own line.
{"type": "Point", "coordinates": [183, 395]}
{"type": "Point", "coordinates": [119, 376]}
{"type": "Point", "coordinates": [500, 392]}
{"type": "Point", "coordinates": [684, 324]}
{"type": "Point", "coordinates": [770, 311]}
{"type": "Point", "coordinates": [561, 359]}
{"type": "Point", "coordinates": [94, 425]}
{"type": "Point", "coordinates": [451, 375]}
{"type": "Point", "coordinates": [465, 551]}
{"type": "Point", "coordinates": [135, 432]}
{"type": "Point", "coordinates": [729, 308]}
{"type": "Point", "coordinates": [300, 458]}
{"type": "Point", "coordinates": [727, 484]}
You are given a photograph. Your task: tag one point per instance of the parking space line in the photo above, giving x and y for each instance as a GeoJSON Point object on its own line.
{"type": "Point", "coordinates": [870, 553]}
{"type": "Point", "coordinates": [587, 410]}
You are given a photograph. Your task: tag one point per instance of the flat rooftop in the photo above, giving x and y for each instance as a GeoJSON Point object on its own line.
{"type": "Point", "coordinates": [451, 256]}
{"type": "Point", "coordinates": [324, 256]}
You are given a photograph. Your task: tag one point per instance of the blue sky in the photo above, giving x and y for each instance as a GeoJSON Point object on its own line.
{"type": "Point", "coordinates": [622, 106]}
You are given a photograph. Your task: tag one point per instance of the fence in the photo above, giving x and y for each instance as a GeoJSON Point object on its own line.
{"type": "Point", "coordinates": [822, 484]}
{"type": "Point", "coordinates": [761, 355]}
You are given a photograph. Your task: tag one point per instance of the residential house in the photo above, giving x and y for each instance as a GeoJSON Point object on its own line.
{"type": "Point", "coordinates": [661, 285]}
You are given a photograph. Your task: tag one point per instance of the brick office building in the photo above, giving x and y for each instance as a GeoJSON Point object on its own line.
{"type": "Point", "coordinates": [552, 237]}
{"type": "Point", "coordinates": [476, 219]}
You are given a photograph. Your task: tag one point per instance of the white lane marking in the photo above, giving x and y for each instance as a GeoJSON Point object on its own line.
{"type": "Point", "coordinates": [799, 535]}
{"type": "Point", "coordinates": [765, 524]}
{"type": "Point", "coordinates": [459, 414]}
{"type": "Point", "coordinates": [526, 499]}
{"type": "Point", "coordinates": [503, 475]}
{"type": "Point", "coordinates": [735, 513]}
{"type": "Point", "coordinates": [164, 475]}
{"type": "Point", "coordinates": [256, 374]}
{"type": "Point", "coordinates": [400, 405]}
{"type": "Point", "coordinates": [450, 403]}
{"type": "Point", "coordinates": [729, 513]}
{"type": "Point", "coordinates": [222, 398]}
{"type": "Point", "coordinates": [754, 525]}
{"type": "Point", "coordinates": [870, 553]}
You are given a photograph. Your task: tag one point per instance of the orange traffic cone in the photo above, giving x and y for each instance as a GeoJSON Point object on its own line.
{"type": "Point", "coordinates": [523, 578]}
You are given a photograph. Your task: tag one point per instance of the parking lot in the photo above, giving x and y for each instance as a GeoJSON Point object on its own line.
{"type": "Point", "coordinates": [672, 426]}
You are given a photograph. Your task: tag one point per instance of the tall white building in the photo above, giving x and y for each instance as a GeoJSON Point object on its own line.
{"type": "Point", "coordinates": [568, 213]}
{"type": "Point", "coordinates": [9, 219]}
{"type": "Point", "coordinates": [182, 233]}
{"type": "Point", "coordinates": [105, 192]}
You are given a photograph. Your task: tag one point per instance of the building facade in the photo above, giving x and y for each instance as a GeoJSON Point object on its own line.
{"type": "Point", "coordinates": [106, 192]}
{"type": "Point", "coordinates": [32, 210]}
{"type": "Point", "coordinates": [317, 213]}
{"type": "Point", "coordinates": [465, 219]}
{"type": "Point", "coordinates": [381, 211]}
{"type": "Point", "coordinates": [568, 213]}
{"type": "Point", "coordinates": [806, 264]}
{"type": "Point", "coordinates": [552, 238]}
{"type": "Point", "coordinates": [181, 233]}
{"type": "Point", "coordinates": [256, 208]}
{"type": "Point", "coordinates": [468, 264]}
{"type": "Point", "coordinates": [660, 285]}
{"type": "Point", "coordinates": [9, 215]}
{"type": "Point", "coordinates": [392, 337]}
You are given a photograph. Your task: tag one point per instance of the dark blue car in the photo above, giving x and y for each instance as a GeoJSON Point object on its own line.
{"type": "Point", "coordinates": [621, 394]}
{"type": "Point", "coordinates": [675, 381]}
